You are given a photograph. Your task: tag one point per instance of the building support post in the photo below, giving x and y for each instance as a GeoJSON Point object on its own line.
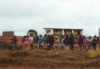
{"type": "Point", "coordinates": [73, 31]}
{"type": "Point", "coordinates": [51, 31]}
{"type": "Point", "coordinates": [63, 32]}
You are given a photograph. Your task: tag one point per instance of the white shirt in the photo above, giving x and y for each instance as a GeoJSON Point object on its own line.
{"type": "Point", "coordinates": [31, 39]}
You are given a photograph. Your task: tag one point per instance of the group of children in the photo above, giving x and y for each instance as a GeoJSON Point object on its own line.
{"type": "Point", "coordinates": [50, 42]}
{"type": "Point", "coordinates": [78, 42]}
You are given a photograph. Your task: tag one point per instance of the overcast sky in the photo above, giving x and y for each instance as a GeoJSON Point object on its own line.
{"type": "Point", "coordinates": [22, 15]}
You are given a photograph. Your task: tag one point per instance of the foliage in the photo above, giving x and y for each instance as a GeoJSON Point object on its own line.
{"type": "Point", "coordinates": [31, 30]}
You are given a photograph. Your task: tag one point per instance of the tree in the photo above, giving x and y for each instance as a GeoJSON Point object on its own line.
{"type": "Point", "coordinates": [31, 30]}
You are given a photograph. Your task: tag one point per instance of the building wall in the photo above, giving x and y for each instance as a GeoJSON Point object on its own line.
{"type": "Point", "coordinates": [49, 31]}
{"type": "Point", "coordinates": [8, 33]}
{"type": "Point", "coordinates": [68, 32]}
{"type": "Point", "coordinates": [60, 32]}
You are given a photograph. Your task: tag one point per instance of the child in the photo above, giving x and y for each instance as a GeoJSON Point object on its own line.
{"type": "Point", "coordinates": [40, 42]}
{"type": "Point", "coordinates": [14, 42]}
{"type": "Point", "coordinates": [45, 41]}
{"type": "Point", "coordinates": [89, 42]}
{"type": "Point", "coordinates": [31, 39]}
{"type": "Point", "coordinates": [62, 44]}
{"type": "Point", "coordinates": [56, 43]}
{"type": "Point", "coordinates": [21, 41]}
{"type": "Point", "coordinates": [35, 42]}
{"type": "Point", "coordinates": [76, 46]}
{"type": "Point", "coordinates": [26, 42]}
{"type": "Point", "coordinates": [84, 42]}
{"type": "Point", "coordinates": [66, 42]}
{"type": "Point", "coordinates": [94, 42]}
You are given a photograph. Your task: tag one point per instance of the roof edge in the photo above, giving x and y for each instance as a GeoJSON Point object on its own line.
{"type": "Point", "coordinates": [66, 28]}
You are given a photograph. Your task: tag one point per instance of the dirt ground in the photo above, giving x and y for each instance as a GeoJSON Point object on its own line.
{"type": "Point", "coordinates": [46, 66]}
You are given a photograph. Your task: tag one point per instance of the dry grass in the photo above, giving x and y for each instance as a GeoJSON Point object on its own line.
{"type": "Point", "coordinates": [43, 58]}
{"type": "Point", "coordinates": [27, 57]}
{"type": "Point", "coordinates": [93, 53]}
{"type": "Point", "coordinates": [50, 56]}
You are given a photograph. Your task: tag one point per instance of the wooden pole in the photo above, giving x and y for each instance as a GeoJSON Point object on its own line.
{"type": "Point", "coordinates": [99, 38]}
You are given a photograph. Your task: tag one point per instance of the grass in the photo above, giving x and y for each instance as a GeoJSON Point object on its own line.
{"type": "Point", "coordinates": [43, 58]}
{"type": "Point", "coordinates": [50, 56]}
{"type": "Point", "coordinates": [93, 53]}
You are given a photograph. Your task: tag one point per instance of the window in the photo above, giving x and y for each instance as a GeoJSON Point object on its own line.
{"type": "Point", "coordinates": [48, 31]}
{"type": "Point", "coordinates": [57, 30]}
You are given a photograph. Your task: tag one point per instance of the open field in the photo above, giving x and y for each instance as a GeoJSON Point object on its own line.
{"type": "Point", "coordinates": [41, 59]}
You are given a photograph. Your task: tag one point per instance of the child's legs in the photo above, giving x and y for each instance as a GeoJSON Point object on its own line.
{"type": "Point", "coordinates": [80, 46]}
{"type": "Point", "coordinates": [76, 47]}
{"type": "Point", "coordinates": [84, 47]}
{"type": "Point", "coordinates": [62, 47]}
{"type": "Point", "coordinates": [45, 45]}
{"type": "Point", "coordinates": [31, 46]}
{"type": "Point", "coordinates": [56, 47]}
{"type": "Point", "coordinates": [14, 45]}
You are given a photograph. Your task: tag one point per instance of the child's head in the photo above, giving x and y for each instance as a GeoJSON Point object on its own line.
{"type": "Point", "coordinates": [83, 37]}
{"type": "Point", "coordinates": [40, 35]}
{"type": "Point", "coordinates": [76, 37]}
{"type": "Point", "coordinates": [89, 37]}
{"type": "Point", "coordinates": [56, 37]}
{"type": "Point", "coordinates": [95, 36]}
{"type": "Point", "coordinates": [45, 35]}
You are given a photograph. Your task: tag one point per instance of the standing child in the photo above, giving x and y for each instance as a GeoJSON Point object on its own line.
{"type": "Point", "coordinates": [66, 42]}
{"type": "Point", "coordinates": [51, 42]}
{"type": "Point", "coordinates": [56, 42]}
{"type": "Point", "coordinates": [40, 42]}
{"type": "Point", "coordinates": [84, 42]}
{"type": "Point", "coordinates": [26, 42]}
{"type": "Point", "coordinates": [80, 41]}
{"type": "Point", "coordinates": [62, 43]}
{"type": "Point", "coordinates": [35, 42]}
{"type": "Point", "coordinates": [45, 40]}
{"type": "Point", "coordinates": [14, 42]}
{"type": "Point", "coordinates": [76, 46]}
{"type": "Point", "coordinates": [71, 41]}
{"type": "Point", "coordinates": [94, 42]}
{"type": "Point", "coordinates": [31, 39]}
{"type": "Point", "coordinates": [89, 42]}
{"type": "Point", "coordinates": [21, 41]}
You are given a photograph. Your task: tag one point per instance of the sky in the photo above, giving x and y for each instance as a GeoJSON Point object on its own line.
{"type": "Point", "coordinates": [21, 15]}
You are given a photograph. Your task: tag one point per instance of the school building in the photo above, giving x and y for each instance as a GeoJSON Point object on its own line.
{"type": "Point", "coordinates": [62, 31]}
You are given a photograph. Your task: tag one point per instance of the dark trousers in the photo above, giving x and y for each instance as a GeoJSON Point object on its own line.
{"type": "Point", "coordinates": [51, 44]}
{"type": "Point", "coordinates": [71, 46]}
{"type": "Point", "coordinates": [80, 46]}
{"type": "Point", "coordinates": [94, 46]}
{"type": "Point", "coordinates": [31, 46]}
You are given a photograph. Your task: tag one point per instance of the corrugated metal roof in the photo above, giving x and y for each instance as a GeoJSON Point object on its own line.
{"type": "Point", "coordinates": [66, 28]}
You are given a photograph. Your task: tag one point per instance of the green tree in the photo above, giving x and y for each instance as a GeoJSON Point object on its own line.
{"type": "Point", "coordinates": [31, 30]}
